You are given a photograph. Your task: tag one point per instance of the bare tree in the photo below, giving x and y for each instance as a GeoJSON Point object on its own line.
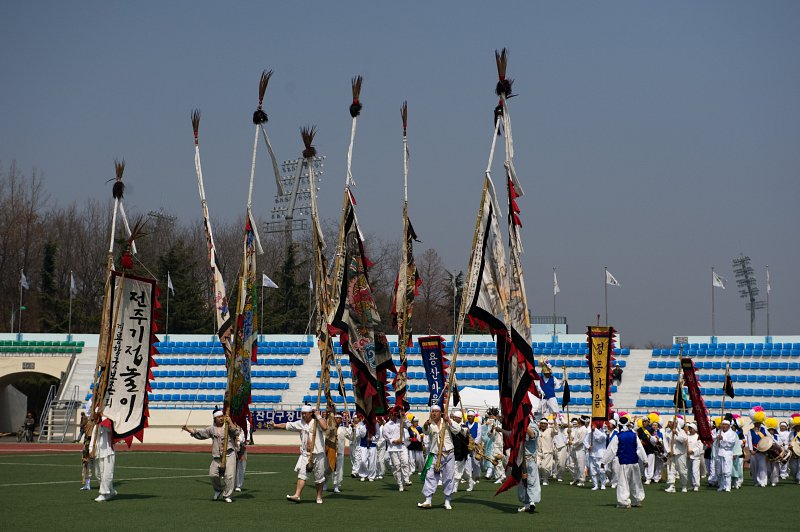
{"type": "Point", "coordinates": [432, 295]}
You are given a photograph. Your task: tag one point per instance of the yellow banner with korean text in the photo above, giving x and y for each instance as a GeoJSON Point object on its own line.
{"type": "Point", "coordinates": [601, 347]}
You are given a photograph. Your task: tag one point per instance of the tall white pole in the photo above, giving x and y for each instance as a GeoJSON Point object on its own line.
{"type": "Point", "coordinates": [69, 320]}
{"type": "Point", "coordinates": [166, 322]}
{"type": "Point", "coordinates": [713, 328]}
{"type": "Point", "coordinates": [554, 303]}
{"type": "Point", "coordinates": [769, 289]}
{"type": "Point", "coordinates": [605, 284]}
{"type": "Point", "coordinates": [19, 309]}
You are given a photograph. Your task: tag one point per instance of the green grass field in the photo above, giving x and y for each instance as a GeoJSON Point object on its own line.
{"type": "Point", "coordinates": [171, 491]}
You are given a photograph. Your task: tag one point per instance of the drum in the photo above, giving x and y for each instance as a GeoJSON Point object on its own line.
{"type": "Point", "coordinates": [794, 447]}
{"type": "Point", "coordinates": [771, 448]}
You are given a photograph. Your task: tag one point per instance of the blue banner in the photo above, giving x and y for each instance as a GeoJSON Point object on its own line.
{"type": "Point", "coordinates": [433, 360]}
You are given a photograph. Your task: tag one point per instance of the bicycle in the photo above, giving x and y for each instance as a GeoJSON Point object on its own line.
{"type": "Point", "coordinates": [24, 432]}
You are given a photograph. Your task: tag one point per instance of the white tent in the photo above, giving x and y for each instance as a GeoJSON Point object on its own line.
{"type": "Point", "coordinates": [480, 399]}
{"type": "Point", "coordinates": [485, 399]}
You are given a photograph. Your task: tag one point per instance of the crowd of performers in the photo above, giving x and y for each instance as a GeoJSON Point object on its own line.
{"type": "Point", "coordinates": [623, 453]}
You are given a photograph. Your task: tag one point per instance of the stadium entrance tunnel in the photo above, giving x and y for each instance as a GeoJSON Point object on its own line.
{"type": "Point", "coordinates": [20, 393]}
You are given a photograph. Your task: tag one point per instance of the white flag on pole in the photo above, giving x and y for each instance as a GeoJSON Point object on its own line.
{"type": "Point", "coordinates": [267, 282]}
{"type": "Point", "coordinates": [611, 280]}
{"type": "Point", "coordinates": [73, 290]}
{"type": "Point", "coordinates": [310, 283]}
{"type": "Point", "coordinates": [717, 280]}
{"type": "Point", "coordinates": [556, 289]}
{"type": "Point", "coordinates": [23, 281]}
{"type": "Point", "coordinates": [169, 284]}
{"type": "Point", "coordinates": [769, 287]}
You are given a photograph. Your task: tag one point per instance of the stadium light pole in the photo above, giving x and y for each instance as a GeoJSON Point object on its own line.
{"type": "Point", "coordinates": [746, 282]}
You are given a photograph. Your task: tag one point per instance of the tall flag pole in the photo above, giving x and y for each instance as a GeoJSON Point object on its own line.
{"type": "Point", "coordinates": [769, 289]}
{"type": "Point", "coordinates": [612, 281]}
{"type": "Point", "coordinates": [494, 296]}
{"type": "Point", "coordinates": [222, 317]}
{"type": "Point", "coordinates": [520, 352]}
{"type": "Point", "coordinates": [245, 333]}
{"type": "Point", "coordinates": [320, 294]}
{"type": "Point", "coordinates": [354, 314]}
{"type": "Point", "coordinates": [72, 291]}
{"type": "Point", "coordinates": [717, 281]}
{"type": "Point", "coordinates": [407, 284]}
{"type": "Point", "coordinates": [170, 289]}
{"type": "Point", "coordinates": [23, 284]}
{"type": "Point", "coordinates": [556, 290]}
{"type": "Point", "coordinates": [128, 327]}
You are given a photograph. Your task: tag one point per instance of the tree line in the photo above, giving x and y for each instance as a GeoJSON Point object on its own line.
{"type": "Point", "coordinates": [49, 242]}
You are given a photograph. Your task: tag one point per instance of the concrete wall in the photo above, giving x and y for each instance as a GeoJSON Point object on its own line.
{"type": "Point", "coordinates": [13, 404]}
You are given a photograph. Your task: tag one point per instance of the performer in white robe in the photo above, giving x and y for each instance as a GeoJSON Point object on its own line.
{"type": "Point", "coordinates": [529, 490]}
{"type": "Point", "coordinates": [724, 442]}
{"type": "Point", "coordinates": [104, 457]}
{"type": "Point", "coordinates": [758, 460]}
{"type": "Point", "coordinates": [629, 450]}
{"type": "Point", "coordinates": [341, 441]}
{"type": "Point", "coordinates": [613, 470]}
{"type": "Point", "coordinates": [444, 473]}
{"type": "Point", "coordinates": [393, 435]}
{"type": "Point", "coordinates": [695, 451]}
{"type": "Point", "coordinates": [595, 444]}
{"type": "Point", "coordinates": [311, 463]}
{"type": "Point", "coordinates": [545, 451]}
{"type": "Point", "coordinates": [578, 450]}
{"type": "Point", "coordinates": [675, 440]}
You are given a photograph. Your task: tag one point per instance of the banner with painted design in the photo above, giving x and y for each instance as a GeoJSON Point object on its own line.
{"type": "Point", "coordinates": [356, 320]}
{"type": "Point", "coordinates": [133, 302]}
{"type": "Point", "coordinates": [245, 341]}
{"type": "Point", "coordinates": [698, 405]}
{"type": "Point", "coordinates": [601, 345]}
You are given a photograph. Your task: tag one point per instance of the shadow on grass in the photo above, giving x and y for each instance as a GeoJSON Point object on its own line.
{"type": "Point", "coordinates": [350, 497]}
{"type": "Point", "coordinates": [132, 497]}
{"type": "Point", "coordinates": [505, 507]}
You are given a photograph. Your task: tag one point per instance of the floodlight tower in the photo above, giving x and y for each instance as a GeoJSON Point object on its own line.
{"type": "Point", "coordinates": [747, 287]}
{"type": "Point", "coordinates": [293, 201]}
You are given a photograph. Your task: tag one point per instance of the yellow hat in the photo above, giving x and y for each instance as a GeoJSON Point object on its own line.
{"type": "Point", "coordinates": [639, 423]}
{"type": "Point", "coordinates": [653, 417]}
{"type": "Point", "coordinates": [796, 421]}
{"type": "Point", "coordinates": [409, 416]}
{"type": "Point", "coordinates": [717, 421]}
{"type": "Point", "coordinates": [759, 417]}
{"type": "Point", "coordinates": [771, 423]}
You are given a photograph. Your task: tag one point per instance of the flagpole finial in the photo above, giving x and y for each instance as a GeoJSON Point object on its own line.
{"type": "Point", "coordinates": [196, 124]}
{"type": "Point", "coordinates": [308, 133]}
{"type": "Point", "coordinates": [355, 107]}
{"type": "Point", "coordinates": [119, 187]}
{"type": "Point", "coordinates": [503, 87]}
{"type": "Point", "coordinates": [259, 116]}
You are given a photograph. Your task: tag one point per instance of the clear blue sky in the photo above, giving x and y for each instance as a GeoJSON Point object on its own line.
{"type": "Point", "coordinates": [656, 138]}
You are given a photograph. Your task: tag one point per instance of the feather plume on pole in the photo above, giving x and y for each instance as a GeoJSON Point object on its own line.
{"type": "Point", "coordinates": [503, 87]}
{"type": "Point", "coordinates": [259, 116]}
{"type": "Point", "coordinates": [355, 111]}
{"type": "Point", "coordinates": [196, 125]}
{"type": "Point", "coordinates": [119, 187]}
{"type": "Point", "coordinates": [355, 107]}
{"type": "Point", "coordinates": [308, 133]}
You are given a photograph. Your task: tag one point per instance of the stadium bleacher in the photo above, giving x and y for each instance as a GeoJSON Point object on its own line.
{"type": "Point", "coordinates": [762, 373]}
{"type": "Point", "coordinates": [45, 347]}
{"type": "Point", "coordinates": [192, 374]}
